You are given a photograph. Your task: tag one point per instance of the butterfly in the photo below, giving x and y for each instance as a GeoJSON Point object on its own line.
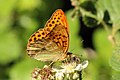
{"type": "Point", "coordinates": [51, 42]}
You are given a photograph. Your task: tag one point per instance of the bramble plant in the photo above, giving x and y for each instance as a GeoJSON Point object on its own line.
{"type": "Point", "coordinates": [94, 32]}
{"type": "Point", "coordinates": [103, 13]}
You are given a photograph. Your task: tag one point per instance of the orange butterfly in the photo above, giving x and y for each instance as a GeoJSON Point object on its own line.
{"type": "Point", "coordinates": [50, 43]}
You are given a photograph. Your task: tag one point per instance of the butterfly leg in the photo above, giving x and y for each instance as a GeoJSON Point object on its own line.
{"type": "Point", "coordinates": [51, 64]}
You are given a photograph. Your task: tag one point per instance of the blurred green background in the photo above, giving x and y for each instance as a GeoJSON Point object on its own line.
{"type": "Point", "coordinates": [20, 18]}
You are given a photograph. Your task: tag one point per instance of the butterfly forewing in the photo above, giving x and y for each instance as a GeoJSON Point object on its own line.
{"type": "Point", "coordinates": [57, 18]}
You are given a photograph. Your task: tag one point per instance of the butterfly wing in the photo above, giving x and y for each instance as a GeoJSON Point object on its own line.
{"type": "Point", "coordinates": [44, 50]}
{"type": "Point", "coordinates": [60, 36]}
{"type": "Point", "coordinates": [57, 18]}
{"type": "Point", "coordinates": [52, 42]}
{"type": "Point", "coordinates": [52, 47]}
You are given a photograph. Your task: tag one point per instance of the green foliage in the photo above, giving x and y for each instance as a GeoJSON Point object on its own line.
{"type": "Point", "coordinates": [100, 38]}
{"type": "Point", "coordinates": [116, 75]}
{"type": "Point", "coordinates": [19, 19]}
{"type": "Point", "coordinates": [94, 14]}
{"type": "Point", "coordinates": [73, 30]}
{"type": "Point", "coordinates": [23, 69]}
{"type": "Point", "coordinates": [113, 9]}
{"type": "Point", "coordinates": [115, 59]}
{"type": "Point", "coordinates": [9, 50]}
{"type": "Point", "coordinates": [6, 14]}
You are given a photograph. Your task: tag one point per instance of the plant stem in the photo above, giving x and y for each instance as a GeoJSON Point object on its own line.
{"type": "Point", "coordinates": [105, 27]}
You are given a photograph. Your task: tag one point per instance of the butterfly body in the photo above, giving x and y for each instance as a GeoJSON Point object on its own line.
{"type": "Point", "coordinates": [50, 43]}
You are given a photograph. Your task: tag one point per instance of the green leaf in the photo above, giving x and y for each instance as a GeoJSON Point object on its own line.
{"type": "Point", "coordinates": [10, 48]}
{"type": "Point", "coordinates": [88, 12]}
{"type": "Point", "coordinates": [74, 27]}
{"type": "Point", "coordinates": [113, 8]}
{"type": "Point", "coordinates": [6, 14]}
{"type": "Point", "coordinates": [115, 59]}
{"type": "Point", "coordinates": [102, 45]}
{"type": "Point", "coordinates": [90, 22]}
{"type": "Point", "coordinates": [103, 48]}
{"type": "Point", "coordinates": [116, 75]}
{"type": "Point", "coordinates": [117, 38]}
{"type": "Point", "coordinates": [28, 4]}
{"type": "Point", "coordinates": [23, 69]}
{"type": "Point", "coordinates": [92, 72]}
{"type": "Point", "coordinates": [100, 10]}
